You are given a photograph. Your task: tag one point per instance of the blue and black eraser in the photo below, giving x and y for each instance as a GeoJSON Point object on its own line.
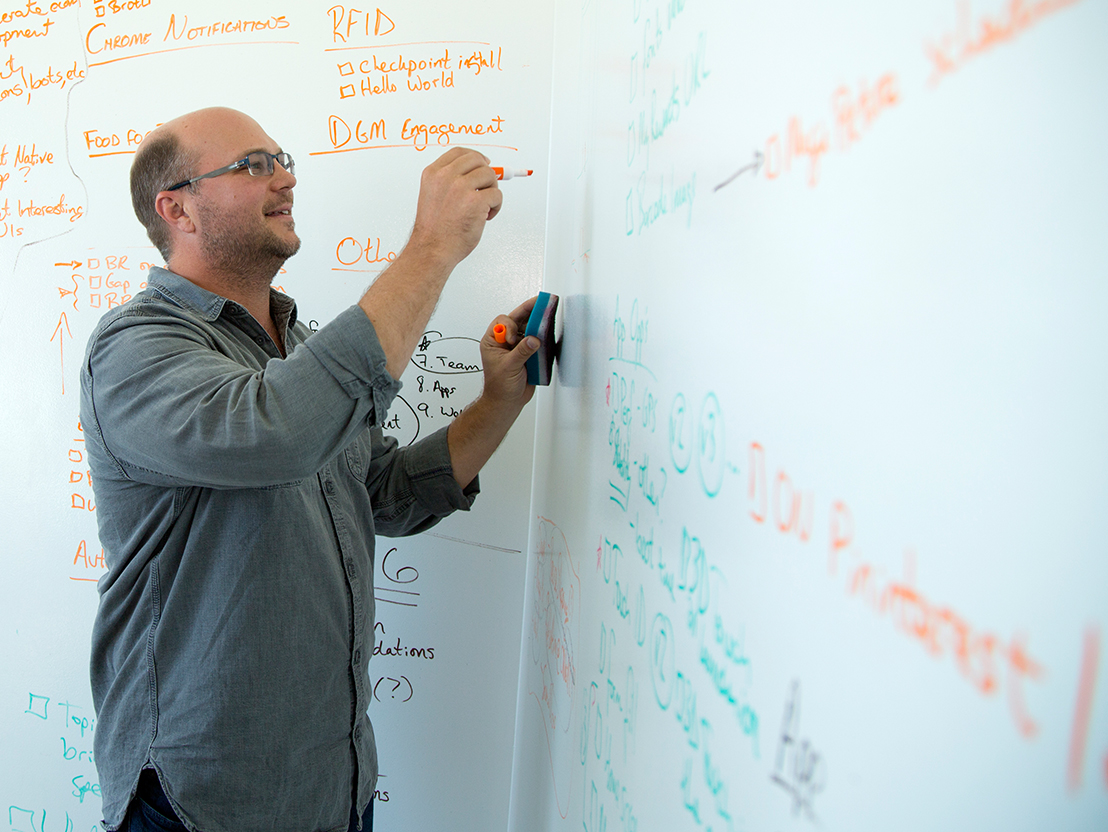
{"type": "Point", "coordinates": [540, 366]}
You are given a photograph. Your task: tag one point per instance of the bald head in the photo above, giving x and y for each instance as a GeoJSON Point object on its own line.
{"type": "Point", "coordinates": [174, 152]}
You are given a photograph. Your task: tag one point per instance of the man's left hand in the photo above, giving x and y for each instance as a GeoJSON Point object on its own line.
{"type": "Point", "coordinates": [505, 374]}
{"type": "Point", "coordinates": [477, 432]}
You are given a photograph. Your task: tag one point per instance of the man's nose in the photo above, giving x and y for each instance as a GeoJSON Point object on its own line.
{"type": "Point", "coordinates": [281, 177]}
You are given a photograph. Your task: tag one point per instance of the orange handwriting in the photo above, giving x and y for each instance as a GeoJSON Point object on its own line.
{"type": "Point", "coordinates": [792, 508]}
{"type": "Point", "coordinates": [852, 112]}
{"type": "Point", "coordinates": [61, 208]}
{"type": "Point", "coordinates": [105, 280]}
{"type": "Point", "coordinates": [420, 74]}
{"type": "Point", "coordinates": [222, 27]}
{"type": "Point", "coordinates": [18, 81]}
{"type": "Point", "coordinates": [972, 39]}
{"type": "Point", "coordinates": [346, 22]}
{"type": "Point", "coordinates": [812, 143]}
{"type": "Point", "coordinates": [857, 111]}
{"type": "Point", "coordinates": [351, 252]}
{"type": "Point", "coordinates": [420, 134]}
{"type": "Point", "coordinates": [1086, 686]}
{"type": "Point", "coordinates": [96, 41]}
{"type": "Point", "coordinates": [27, 32]}
{"type": "Point", "coordinates": [979, 656]}
{"type": "Point", "coordinates": [91, 562]}
{"type": "Point", "coordinates": [110, 144]}
{"type": "Point", "coordinates": [117, 6]}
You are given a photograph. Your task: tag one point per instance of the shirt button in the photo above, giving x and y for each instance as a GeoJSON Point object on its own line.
{"type": "Point", "coordinates": [357, 657]}
{"type": "Point", "coordinates": [358, 733]}
{"type": "Point", "coordinates": [329, 486]}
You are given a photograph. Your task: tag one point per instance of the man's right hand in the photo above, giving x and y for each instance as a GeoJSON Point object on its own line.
{"type": "Point", "coordinates": [458, 194]}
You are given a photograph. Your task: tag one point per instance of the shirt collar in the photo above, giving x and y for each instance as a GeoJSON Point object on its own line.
{"type": "Point", "coordinates": [209, 305]}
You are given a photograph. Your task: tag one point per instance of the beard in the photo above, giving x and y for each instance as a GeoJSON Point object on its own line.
{"type": "Point", "coordinates": [249, 252]}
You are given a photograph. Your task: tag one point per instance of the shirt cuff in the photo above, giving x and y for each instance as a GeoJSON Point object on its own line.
{"type": "Point", "coordinates": [348, 348]}
{"type": "Point", "coordinates": [427, 464]}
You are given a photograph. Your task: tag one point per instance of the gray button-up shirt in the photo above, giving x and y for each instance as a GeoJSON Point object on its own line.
{"type": "Point", "coordinates": [238, 494]}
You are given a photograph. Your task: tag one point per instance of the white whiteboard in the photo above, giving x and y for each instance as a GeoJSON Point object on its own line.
{"type": "Point", "coordinates": [818, 525]}
{"type": "Point", "coordinates": [80, 84]}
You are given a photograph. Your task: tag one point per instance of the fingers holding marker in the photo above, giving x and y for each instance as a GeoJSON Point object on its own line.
{"type": "Point", "coordinates": [504, 355]}
{"type": "Point", "coordinates": [507, 331]}
{"type": "Point", "coordinates": [474, 174]}
{"type": "Point", "coordinates": [461, 160]}
{"type": "Point", "coordinates": [458, 195]}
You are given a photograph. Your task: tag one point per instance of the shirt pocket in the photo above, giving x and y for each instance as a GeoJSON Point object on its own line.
{"type": "Point", "coordinates": [358, 456]}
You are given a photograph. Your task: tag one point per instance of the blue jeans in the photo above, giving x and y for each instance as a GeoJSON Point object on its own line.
{"type": "Point", "coordinates": [151, 811]}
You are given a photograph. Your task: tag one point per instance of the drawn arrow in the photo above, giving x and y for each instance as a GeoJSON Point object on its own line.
{"type": "Point", "coordinates": [756, 166]}
{"type": "Point", "coordinates": [62, 322]}
{"type": "Point", "coordinates": [76, 264]}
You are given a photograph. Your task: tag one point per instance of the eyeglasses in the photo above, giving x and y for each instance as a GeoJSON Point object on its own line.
{"type": "Point", "coordinates": [258, 163]}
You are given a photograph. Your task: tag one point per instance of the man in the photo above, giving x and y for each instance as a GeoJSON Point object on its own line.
{"type": "Point", "coordinates": [241, 474]}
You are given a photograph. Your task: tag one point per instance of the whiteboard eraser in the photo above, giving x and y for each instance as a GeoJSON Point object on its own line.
{"type": "Point", "coordinates": [540, 366]}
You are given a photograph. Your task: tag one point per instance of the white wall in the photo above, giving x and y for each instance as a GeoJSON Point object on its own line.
{"type": "Point", "coordinates": [818, 522]}
{"type": "Point", "coordinates": [109, 73]}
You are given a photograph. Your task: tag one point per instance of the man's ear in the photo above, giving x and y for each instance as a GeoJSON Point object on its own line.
{"type": "Point", "coordinates": [172, 209]}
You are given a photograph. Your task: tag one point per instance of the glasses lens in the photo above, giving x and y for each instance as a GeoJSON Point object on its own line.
{"type": "Point", "coordinates": [259, 164]}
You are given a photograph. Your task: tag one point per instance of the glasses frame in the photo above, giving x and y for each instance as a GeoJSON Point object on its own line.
{"type": "Point", "coordinates": [284, 159]}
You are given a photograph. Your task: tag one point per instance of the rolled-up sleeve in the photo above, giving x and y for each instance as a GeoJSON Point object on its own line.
{"type": "Point", "coordinates": [352, 354]}
{"type": "Point", "coordinates": [412, 488]}
{"type": "Point", "coordinates": [221, 422]}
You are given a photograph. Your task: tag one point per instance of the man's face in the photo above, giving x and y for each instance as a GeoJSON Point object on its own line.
{"type": "Point", "coordinates": [241, 236]}
{"type": "Point", "coordinates": [245, 222]}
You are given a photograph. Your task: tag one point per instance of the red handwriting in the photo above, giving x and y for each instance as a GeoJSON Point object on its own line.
{"type": "Point", "coordinates": [554, 626]}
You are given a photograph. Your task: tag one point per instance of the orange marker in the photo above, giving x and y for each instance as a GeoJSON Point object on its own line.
{"type": "Point", "coordinates": [511, 173]}
{"type": "Point", "coordinates": [500, 333]}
